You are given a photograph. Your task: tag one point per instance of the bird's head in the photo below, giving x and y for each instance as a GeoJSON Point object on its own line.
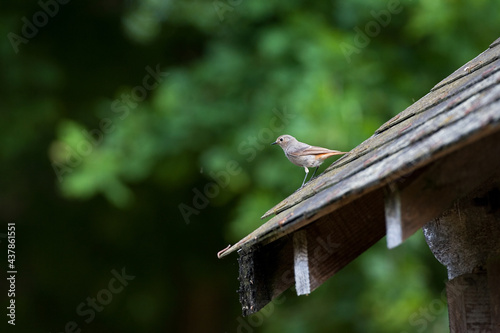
{"type": "Point", "coordinates": [284, 140]}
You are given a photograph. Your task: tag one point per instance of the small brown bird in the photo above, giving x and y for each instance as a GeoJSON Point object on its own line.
{"type": "Point", "coordinates": [304, 155]}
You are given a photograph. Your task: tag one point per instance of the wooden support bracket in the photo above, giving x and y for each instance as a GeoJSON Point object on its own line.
{"type": "Point", "coordinates": [416, 200]}
{"type": "Point", "coordinates": [466, 240]}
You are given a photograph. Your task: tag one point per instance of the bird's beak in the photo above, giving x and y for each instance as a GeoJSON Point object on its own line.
{"type": "Point", "coordinates": [274, 143]}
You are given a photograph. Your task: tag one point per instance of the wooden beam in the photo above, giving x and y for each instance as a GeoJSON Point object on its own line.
{"type": "Point", "coordinates": [414, 201]}
{"type": "Point", "coordinates": [265, 273]}
{"type": "Point", "coordinates": [301, 263]}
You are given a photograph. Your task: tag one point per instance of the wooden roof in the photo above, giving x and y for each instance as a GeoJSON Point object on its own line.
{"type": "Point", "coordinates": [407, 173]}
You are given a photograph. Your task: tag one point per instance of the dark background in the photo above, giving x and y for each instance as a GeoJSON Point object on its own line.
{"type": "Point", "coordinates": [102, 167]}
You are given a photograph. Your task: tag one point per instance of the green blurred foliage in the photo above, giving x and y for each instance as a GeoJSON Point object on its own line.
{"type": "Point", "coordinates": [99, 158]}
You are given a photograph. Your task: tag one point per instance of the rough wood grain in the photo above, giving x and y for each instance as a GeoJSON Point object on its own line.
{"type": "Point", "coordinates": [468, 234]}
{"type": "Point", "coordinates": [301, 263]}
{"type": "Point", "coordinates": [468, 304]}
{"type": "Point", "coordinates": [265, 273]}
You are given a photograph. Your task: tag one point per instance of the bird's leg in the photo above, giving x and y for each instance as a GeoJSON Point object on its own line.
{"type": "Point", "coordinates": [314, 172]}
{"type": "Point", "coordinates": [307, 171]}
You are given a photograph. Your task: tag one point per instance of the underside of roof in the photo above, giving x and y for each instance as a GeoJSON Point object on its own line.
{"type": "Point", "coordinates": [412, 169]}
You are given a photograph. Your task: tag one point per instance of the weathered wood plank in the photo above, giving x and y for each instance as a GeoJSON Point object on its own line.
{"type": "Point", "coordinates": [265, 273]}
{"type": "Point", "coordinates": [483, 59]}
{"type": "Point", "coordinates": [495, 43]}
{"type": "Point", "coordinates": [301, 263]}
{"type": "Point", "coordinates": [463, 86]}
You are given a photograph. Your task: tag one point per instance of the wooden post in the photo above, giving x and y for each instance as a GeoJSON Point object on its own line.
{"type": "Point", "coordinates": [494, 287]}
{"type": "Point", "coordinates": [466, 239]}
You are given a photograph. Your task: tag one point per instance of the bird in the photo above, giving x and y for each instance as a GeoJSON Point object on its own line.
{"type": "Point", "coordinates": [304, 155]}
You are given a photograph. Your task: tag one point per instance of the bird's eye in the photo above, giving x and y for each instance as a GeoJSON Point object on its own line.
{"type": "Point", "coordinates": [281, 139]}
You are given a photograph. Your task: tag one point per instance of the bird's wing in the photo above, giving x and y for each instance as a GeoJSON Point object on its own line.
{"type": "Point", "coordinates": [298, 149]}
{"type": "Point", "coordinates": [313, 150]}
